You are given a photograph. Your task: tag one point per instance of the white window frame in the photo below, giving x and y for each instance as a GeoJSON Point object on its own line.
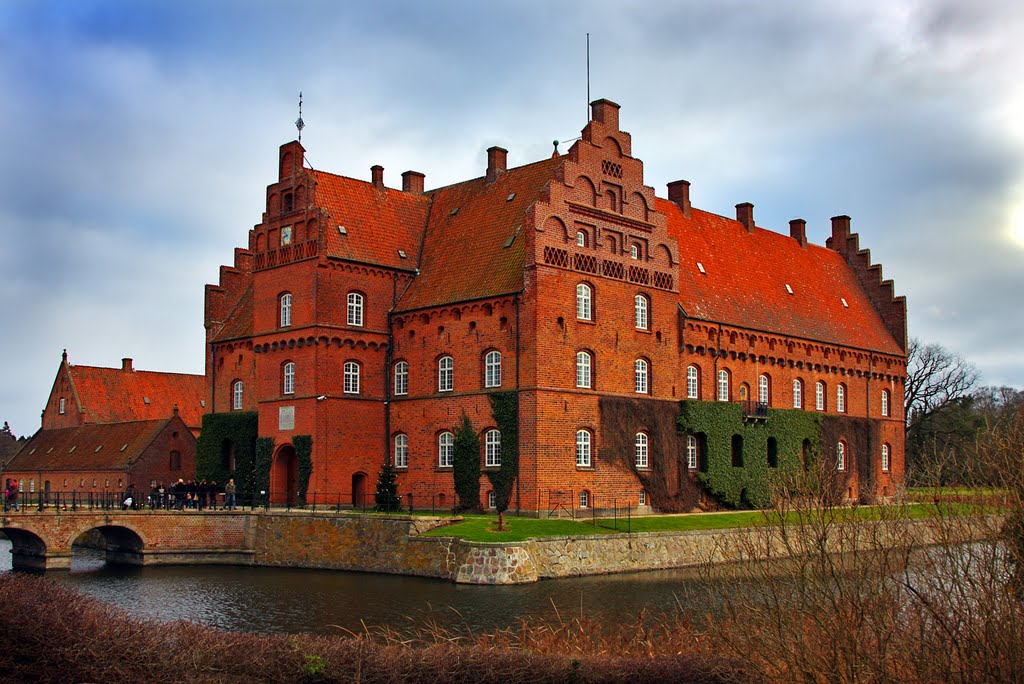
{"type": "Point", "coordinates": [584, 369]}
{"type": "Point", "coordinates": [445, 374]}
{"type": "Point", "coordinates": [642, 450]}
{"type": "Point", "coordinates": [692, 452]}
{"type": "Point", "coordinates": [643, 497]}
{"type": "Point", "coordinates": [584, 302]}
{"type": "Point", "coordinates": [641, 376]}
{"type": "Point", "coordinates": [401, 378]}
{"type": "Point", "coordinates": [237, 394]}
{"type": "Point", "coordinates": [819, 396]}
{"type": "Point", "coordinates": [840, 398]}
{"type": "Point", "coordinates": [61, 406]}
{"type": "Point", "coordinates": [583, 442]}
{"type": "Point", "coordinates": [763, 389]}
{"type": "Point", "coordinates": [798, 394]}
{"type": "Point", "coordinates": [692, 383]}
{"type": "Point", "coordinates": [634, 252]}
{"type": "Point", "coordinates": [723, 385]}
{"type": "Point", "coordinates": [492, 499]}
{"type": "Point", "coordinates": [641, 308]}
{"type": "Point", "coordinates": [584, 499]}
{"type": "Point", "coordinates": [885, 403]}
{"type": "Point", "coordinates": [840, 456]}
{"type": "Point", "coordinates": [492, 449]}
{"type": "Point", "coordinates": [289, 378]}
{"type": "Point", "coordinates": [351, 379]}
{"type": "Point", "coordinates": [886, 463]}
{"type": "Point", "coordinates": [355, 309]}
{"type": "Point", "coordinates": [492, 369]}
{"type": "Point", "coordinates": [445, 450]}
{"type": "Point", "coordinates": [401, 450]}
{"type": "Point", "coordinates": [286, 310]}
{"type": "Point", "coordinates": [581, 238]}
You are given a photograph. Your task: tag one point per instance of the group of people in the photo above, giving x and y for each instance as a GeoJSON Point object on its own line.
{"type": "Point", "coordinates": [191, 495]}
{"type": "Point", "coordinates": [11, 495]}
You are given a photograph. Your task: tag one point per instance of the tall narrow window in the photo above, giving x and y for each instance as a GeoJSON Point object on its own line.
{"type": "Point", "coordinates": [641, 307]}
{"type": "Point", "coordinates": [885, 403]}
{"type": "Point", "coordinates": [581, 239]}
{"type": "Point", "coordinates": [401, 451]}
{"type": "Point", "coordinates": [582, 449]}
{"type": "Point", "coordinates": [640, 375]}
{"type": "Point", "coordinates": [840, 456]}
{"type": "Point", "coordinates": [885, 458]}
{"type": "Point", "coordinates": [355, 308]}
{"type": "Point", "coordinates": [584, 499]}
{"type": "Point", "coordinates": [236, 395]}
{"type": "Point", "coordinates": [492, 369]}
{"type": "Point", "coordinates": [401, 378]}
{"type": "Point", "coordinates": [634, 252]}
{"type": "Point", "coordinates": [798, 393]}
{"type": "Point", "coordinates": [642, 450]}
{"type": "Point", "coordinates": [492, 446]}
{"type": "Point", "coordinates": [692, 452]}
{"type": "Point", "coordinates": [583, 364]}
{"type": "Point", "coordinates": [286, 310]}
{"type": "Point", "coordinates": [841, 398]}
{"type": "Point", "coordinates": [763, 389]}
{"type": "Point", "coordinates": [445, 450]}
{"type": "Point", "coordinates": [445, 374]}
{"type": "Point", "coordinates": [288, 382]}
{"type": "Point", "coordinates": [723, 385]}
{"type": "Point", "coordinates": [692, 383]}
{"type": "Point", "coordinates": [60, 408]}
{"type": "Point", "coordinates": [351, 377]}
{"type": "Point", "coordinates": [584, 302]}
{"type": "Point", "coordinates": [175, 463]}
{"type": "Point", "coordinates": [819, 396]}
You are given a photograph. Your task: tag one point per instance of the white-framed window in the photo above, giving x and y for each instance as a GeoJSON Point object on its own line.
{"type": "Point", "coordinates": [634, 252]}
{"type": "Point", "coordinates": [492, 369]}
{"type": "Point", "coordinates": [885, 403]}
{"type": "Point", "coordinates": [584, 302]}
{"type": "Point", "coordinates": [583, 369]}
{"type": "Point", "coordinates": [641, 376]}
{"type": "Point", "coordinates": [351, 377]}
{"type": "Point", "coordinates": [692, 452]}
{"type": "Point", "coordinates": [355, 309]}
{"type": "Point", "coordinates": [692, 382]}
{"type": "Point", "coordinates": [401, 451]}
{"type": "Point", "coordinates": [885, 458]}
{"type": "Point", "coordinates": [237, 392]}
{"type": "Point", "coordinates": [841, 398]}
{"type": "Point", "coordinates": [32, 485]}
{"type": "Point", "coordinates": [286, 310]}
{"type": "Point", "coordinates": [445, 450]}
{"type": "Point", "coordinates": [60, 407]}
{"type": "Point", "coordinates": [641, 308]}
{"type": "Point", "coordinates": [798, 393]}
{"type": "Point", "coordinates": [492, 499]}
{"type": "Point", "coordinates": [819, 396]}
{"type": "Point", "coordinates": [582, 448]}
{"type": "Point", "coordinates": [401, 378]}
{"type": "Point", "coordinates": [723, 385]}
{"type": "Point", "coordinates": [642, 450]}
{"type": "Point", "coordinates": [763, 389]}
{"type": "Point", "coordinates": [643, 497]}
{"type": "Point", "coordinates": [288, 381]}
{"type": "Point", "coordinates": [492, 449]}
{"type": "Point", "coordinates": [840, 456]}
{"type": "Point", "coordinates": [581, 239]}
{"type": "Point", "coordinates": [445, 374]}
{"type": "Point", "coordinates": [584, 498]}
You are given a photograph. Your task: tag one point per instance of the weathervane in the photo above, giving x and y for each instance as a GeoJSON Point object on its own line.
{"type": "Point", "coordinates": [299, 123]}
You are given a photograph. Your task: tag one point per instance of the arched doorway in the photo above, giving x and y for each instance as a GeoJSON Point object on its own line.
{"type": "Point", "coordinates": [284, 476]}
{"type": "Point", "coordinates": [359, 497]}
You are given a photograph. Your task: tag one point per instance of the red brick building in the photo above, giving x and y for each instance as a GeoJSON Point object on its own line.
{"type": "Point", "coordinates": [372, 319]}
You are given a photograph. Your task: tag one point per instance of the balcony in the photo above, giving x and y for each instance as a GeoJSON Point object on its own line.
{"type": "Point", "coordinates": [754, 410]}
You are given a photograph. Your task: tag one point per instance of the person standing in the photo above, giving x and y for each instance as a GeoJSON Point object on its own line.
{"type": "Point", "coordinates": [229, 494]}
{"type": "Point", "coordinates": [12, 495]}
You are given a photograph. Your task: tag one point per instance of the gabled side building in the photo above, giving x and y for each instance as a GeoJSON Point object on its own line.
{"type": "Point", "coordinates": [655, 355]}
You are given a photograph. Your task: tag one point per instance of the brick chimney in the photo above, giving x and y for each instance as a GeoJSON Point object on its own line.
{"type": "Point", "coordinates": [412, 181]}
{"type": "Point", "coordinates": [798, 231]}
{"type": "Point", "coordinates": [126, 365]}
{"type": "Point", "coordinates": [605, 112]}
{"type": "Point", "coordinates": [377, 176]}
{"type": "Point", "coordinates": [679, 193]}
{"type": "Point", "coordinates": [745, 215]}
{"type": "Point", "coordinates": [497, 162]}
{"type": "Point", "coordinates": [840, 233]}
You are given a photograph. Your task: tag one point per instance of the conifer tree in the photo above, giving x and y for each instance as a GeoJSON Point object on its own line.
{"type": "Point", "coordinates": [387, 489]}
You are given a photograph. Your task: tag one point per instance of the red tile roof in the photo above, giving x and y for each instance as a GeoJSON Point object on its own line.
{"type": "Point", "coordinates": [746, 278]}
{"type": "Point", "coordinates": [87, 447]}
{"type": "Point", "coordinates": [467, 253]}
{"type": "Point", "coordinates": [115, 395]}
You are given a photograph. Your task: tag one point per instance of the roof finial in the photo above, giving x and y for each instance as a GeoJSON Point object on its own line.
{"type": "Point", "coordinates": [299, 123]}
{"type": "Point", "coordinates": [64, 356]}
{"type": "Point", "coordinates": [555, 153]}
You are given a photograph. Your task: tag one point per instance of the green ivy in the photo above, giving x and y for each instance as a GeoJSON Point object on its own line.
{"type": "Point", "coordinates": [863, 443]}
{"type": "Point", "coordinates": [505, 407]}
{"type": "Point", "coordinates": [304, 455]}
{"type": "Point", "coordinates": [466, 466]}
{"type": "Point", "coordinates": [261, 470]}
{"type": "Point", "coordinates": [716, 423]}
{"type": "Point", "coordinates": [222, 433]}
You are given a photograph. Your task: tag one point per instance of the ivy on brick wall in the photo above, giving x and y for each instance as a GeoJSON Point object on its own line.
{"type": "Point", "coordinates": [223, 436]}
{"type": "Point", "coordinates": [863, 447]}
{"type": "Point", "coordinates": [304, 457]}
{"type": "Point", "coordinates": [740, 458]}
{"type": "Point", "coordinates": [261, 471]}
{"type": "Point", "coordinates": [466, 466]}
{"type": "Point", "coordinates": [505, 407]}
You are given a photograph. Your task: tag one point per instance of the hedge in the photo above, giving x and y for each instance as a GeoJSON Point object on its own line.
{"type": "Point", "coordinates": [221, 433]}
{"type": "Point", "coordinates": [505, 407]}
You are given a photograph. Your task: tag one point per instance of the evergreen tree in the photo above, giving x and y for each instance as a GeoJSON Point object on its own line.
{"type": "Point", "coordinates": [466, 466]}
{"type": "Point", "coordinates": [387, 489]}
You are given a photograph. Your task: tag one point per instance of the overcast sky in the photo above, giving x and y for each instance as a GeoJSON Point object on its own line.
{"type": "Point", "coordinates": [139, 138]}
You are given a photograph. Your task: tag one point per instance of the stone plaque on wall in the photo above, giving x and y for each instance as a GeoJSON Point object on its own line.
{"type": "Point", "coordinates": [286, 418]}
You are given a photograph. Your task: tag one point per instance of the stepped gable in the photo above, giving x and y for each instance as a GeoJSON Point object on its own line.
{"type": "Point", "coordinates": [239, 321]}
{"type": "Point", "coordinates": [87, 447]}
{"type": "Point", "coordinates": [747, 271]}
{"type": "Point", "coordinates": [474, 245]}
{"type": "Point", "coordinates": [378, 221]}
{"type": "Point", "coordinates": [114, 395]}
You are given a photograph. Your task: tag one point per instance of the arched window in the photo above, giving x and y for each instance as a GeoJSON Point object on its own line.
{"type": "Point", "coordinates": [401, 378]}
{"type": "Point", "coordinates": [885, 458]}
{"type": "Point", "coordinates": [584, 498]}
{"type": "Point", "coordinates": [583, 367]}
{"type": "Point", "coordinates": [641, 307]}
{"type": "Point", "coordinates": [286, 310]}
{"type": "Point", "coordinates": [841, 398]}
{"type": "Point", "coordinates": [819, 396]}
{"type": "Point", "coordinates": [351, 377]}
{"type": "Point", "coordinates": [641, 450]}
{"type": "Point", "coordinates": [692, 452]}
{"type": "Point", "coordinates": [445, 374]}
{"type": "Point", "coordinates": [492, 369]}
{"type": "Point", "coordinates": [885, 403]}
{"type": "Point", "coordinates": [288, 379]}
{"type": "Point", "coordinates": [640, 375]}
{"type": "Point", "coordinates": [401, 451]}
{"type": "Point", "coordinates": [840, 456]}
{"type": "Point", "coordinates": [492, 446]}
{"type": "Point", "coordinates": [355, 309]}
{"type": "Point", "coordinates": [692, 382]}
{"type": "Point", "coordinates": [634, 252]}
{"type": "Point", "coordinates": [584, 302]}
{"type": "Point", "coordinates": [723, 385]}
{"type": "Point", "coordinates": [582, 449]}
{"type": "Point", "coordinates": [763, 389]}
{"type": "Point", "coordinates": [798, 393]}
{"type": "Point", "coordinates": [236, 395]}
{"type": "Point", "coordinates": [445, 450]}
{"type": "Point", "coordinates": [581, 239]}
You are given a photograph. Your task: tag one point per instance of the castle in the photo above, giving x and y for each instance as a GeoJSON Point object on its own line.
{"type": "Point", "coordinates": [650, 354]}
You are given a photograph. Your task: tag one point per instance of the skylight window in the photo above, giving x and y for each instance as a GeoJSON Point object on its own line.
{"type": "Point", "coordinates": [454, 211]}
{"type": "Point", "coordinates": [124, 447]}
{"type": "Point", "coordinates": [342, 230]}
{"type": "Point", "coordinates": [98, 449]}
{"type": "Point", "coordinates": [789, 289]}
{"type": "Point", "coordinates": [843, 300]}
{"type": "Point", "coordinates": [72, 448]}
{"type": "Point", "coordinates": [510, 240]}
{"type": "Point", "coordinates": [401, 253]}
{"type": "Point", "coordinates": [511, 197]}
{"type": "Point", "coordinates": [145, 400]}
{"type": "Point", "coordinates": [700, 267]}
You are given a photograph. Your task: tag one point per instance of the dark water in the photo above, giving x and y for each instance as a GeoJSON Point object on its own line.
{"type": "Point", "coordinates": [281, 600]}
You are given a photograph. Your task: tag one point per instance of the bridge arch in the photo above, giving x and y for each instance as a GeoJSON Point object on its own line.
{"type": "Point", "coordinates": [28, 549]}
{"type": "Point", "coordinates": [123, 544]}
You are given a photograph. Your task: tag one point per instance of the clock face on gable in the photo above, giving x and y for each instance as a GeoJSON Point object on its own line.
{"type": "Point", "coordinates": [286, 235]}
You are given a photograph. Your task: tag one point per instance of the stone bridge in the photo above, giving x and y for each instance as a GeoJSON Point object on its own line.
{"type": "Point", "coordinates": [42, 540]}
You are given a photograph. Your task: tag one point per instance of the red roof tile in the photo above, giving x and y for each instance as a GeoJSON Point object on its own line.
{"type": "Point", "coordinates": [114, 395]}
{"type": "Point", "coordinates": [746, 278]}
{"type": "Point", "coordinates": [87, 447]}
